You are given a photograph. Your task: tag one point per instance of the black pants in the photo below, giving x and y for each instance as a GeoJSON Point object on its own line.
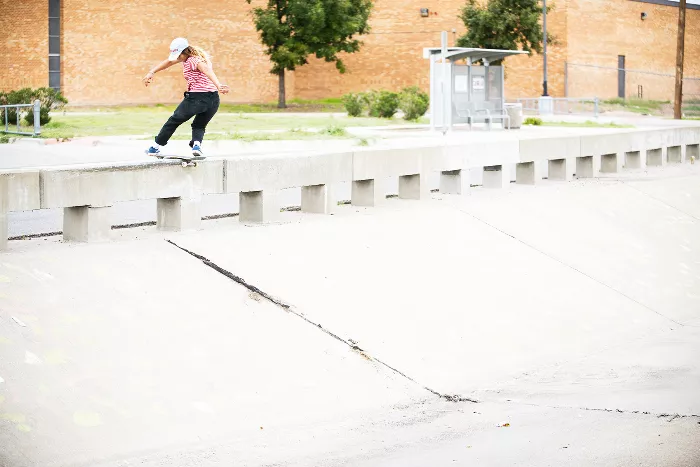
{"type": "Point", "coordinates": [200, 105]}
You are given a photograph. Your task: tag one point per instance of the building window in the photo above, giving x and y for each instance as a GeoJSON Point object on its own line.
{"type": "Point", "coordinates": [55, 44]}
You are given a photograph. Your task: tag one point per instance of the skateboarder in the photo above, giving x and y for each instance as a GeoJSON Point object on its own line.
{"type": "Point", "coordinates": [201, 98]}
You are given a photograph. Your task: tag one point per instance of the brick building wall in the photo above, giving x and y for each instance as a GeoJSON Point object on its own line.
{"type": "Point", "coordinates": [24, 44]}
{"type": "Point", "coordinates": [108, 46]}
{"type": "Point", "coordinates": [598, 35]}
{"type": "Point", "coordinates": [392, 55]}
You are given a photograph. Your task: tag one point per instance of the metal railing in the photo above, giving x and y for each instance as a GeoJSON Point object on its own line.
{"type": "Point", "coordinates": [560, 105]}
{"type": "Point", "coordinates": [36, 108]}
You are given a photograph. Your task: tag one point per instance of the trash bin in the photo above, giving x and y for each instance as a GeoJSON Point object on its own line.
{"type": "Point", "coordinates": [515, 112]}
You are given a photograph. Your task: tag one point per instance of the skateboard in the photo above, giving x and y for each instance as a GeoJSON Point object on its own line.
{"type": "Point", "coordinates": [185, 161]}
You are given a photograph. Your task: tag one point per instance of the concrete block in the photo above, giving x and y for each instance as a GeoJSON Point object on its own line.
{"type": "Point", "coordinates": [23, 193]}
{"type": "Point", "coordinates": [276, 172]}
{"type": "Point", "coordinates": [528, 173]}
{"type": "Point", "coordinates": [692, 152]}
{"type": "Point", "coordinates": [613, 143]}
{"type": "Point", "coordinates": [367, 193]}
{"type": "Point", "coordinates": [76, 187]}
{"type": "Point", "coordinates": [496, 177]}
{"type": "Point", "coordinates": [87, 223]}
{"type": "Point", "coordinates": [178, 214]}
{"type": "Point", "coordinates": [635, 160]}
{"type": "Point", "coordinates": [259, 206]}
{"type": "Point", "coordinates": [414, 186]}
{"type": "Point", "coordinates": [587, 167]}
{"type": "Point", "coordinates": [543, 149]}
{"type": "Point", "coordinates": [656, 157]}
{"type": "Point", "coordinates": [454, 182]}
{"type": "Point", "coordinates": [611, 163]}
{"type": "Point", "coordinates": [4, 205]}
{"type": "Point", "coordinates": [318, 199]}
{"type": "Point", "coordinates": [675, 154]}
{"type": "Point", "coordinates": [561, 169]}
{"type": "Point", "coordinates": [382, 163]}
{"type": "Point", "coordinates": [491, 153]}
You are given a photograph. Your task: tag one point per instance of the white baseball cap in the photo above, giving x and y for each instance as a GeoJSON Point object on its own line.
{"type": "Point", "coordinates": [176, 47]}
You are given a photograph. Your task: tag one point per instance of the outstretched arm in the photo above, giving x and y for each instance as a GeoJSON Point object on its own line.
{"type": "Point", "coordinates": [207, 70]}
{"type": "Point", "coordinates": [160, 67]}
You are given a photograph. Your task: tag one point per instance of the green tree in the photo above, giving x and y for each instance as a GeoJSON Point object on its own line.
{"type": "Point", "coordinates": [292, 30]}
{"type": "Point", "coordinates": [504, 24]}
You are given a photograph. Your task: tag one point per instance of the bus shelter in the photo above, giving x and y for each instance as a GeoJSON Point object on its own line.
{"type": "Point", "coordinates": [459, 88]}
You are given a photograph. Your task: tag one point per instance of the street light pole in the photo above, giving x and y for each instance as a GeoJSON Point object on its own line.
{"type": "Point", "coordinates": [680, 49]}
{"type": "Point", "coordinates": [544, 41]}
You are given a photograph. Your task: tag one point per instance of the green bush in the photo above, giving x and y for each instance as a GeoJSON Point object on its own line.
{"type": "Point", "coordinates": [370, 98]}
{"type": "Point", "coordinates": [414, 103]}
{"type": "Point", "coordinates": [533, 121]}
{"type": "Point", "coordinates": [386, 104]}
{"type": "Point", "coordinates": [354, 104]}
{"type": "Point", "coordinates": [50, 100]}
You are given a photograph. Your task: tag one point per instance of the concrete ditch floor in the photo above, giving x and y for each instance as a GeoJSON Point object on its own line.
{"type": "Point", "coordinates": [548, 325]}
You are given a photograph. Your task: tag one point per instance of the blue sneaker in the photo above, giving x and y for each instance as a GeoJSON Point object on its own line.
{"type": "Point", "coordinates": [197, 152]}
{"type": "Point", "coordinates": [152, 151]}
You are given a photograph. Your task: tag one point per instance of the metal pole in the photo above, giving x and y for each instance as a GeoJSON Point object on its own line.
{"type": "Point", "coordinates": [566, 79]}
{"type": "Point", "coordinates": [678, 100]}
{"type": "Point", "coordinates": [544, 41]}
{"type": "Point", "coordinates": [433, 93]}
{"type": "Point", "coordinates": [37, 117]}
{"type": "Point", "coordinates": [7, 118]}
{"type": "Point", "coordinates": [17, 114]}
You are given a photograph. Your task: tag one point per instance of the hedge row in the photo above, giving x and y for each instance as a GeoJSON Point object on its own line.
{"type": "Point", "coordinates": [384, 104]}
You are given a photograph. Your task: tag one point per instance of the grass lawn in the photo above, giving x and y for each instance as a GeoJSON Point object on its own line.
{"type": "Point", "coordinates": [225, 125]}
{"type": "Point", "coordinates": [641, 106]}
{"type": "Point", "coordinates": [586, 124]}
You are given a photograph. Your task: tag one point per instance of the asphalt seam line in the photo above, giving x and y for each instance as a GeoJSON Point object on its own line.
{"type": "Point", "coordinates": [563, 263]}
{"type": "Point", "coordinates": [287, 307]}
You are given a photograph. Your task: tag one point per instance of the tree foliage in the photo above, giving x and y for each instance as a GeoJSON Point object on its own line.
{"type": "Point", "coordinates": [293, 30]}
{"type": "Point", "coordinates": [504, 24]}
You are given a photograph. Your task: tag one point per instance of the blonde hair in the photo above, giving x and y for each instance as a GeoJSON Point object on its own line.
{"type": "Point", "coordinates": [194, 51]}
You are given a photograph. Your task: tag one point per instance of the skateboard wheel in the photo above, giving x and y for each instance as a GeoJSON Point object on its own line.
{"type": "Point", "coordinates": [184, 164]}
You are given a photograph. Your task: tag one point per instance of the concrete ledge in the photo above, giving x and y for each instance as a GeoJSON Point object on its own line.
{"type": "Point", "coordinates": [179, 214]}
{"type": "Point", "coordinates": [543, 149]}
{"type": "Point", "coordinates": [4, 208]}
{"type": "Point", "coordinates": [692, 152]}
{"type": "Point", "coordinates": [528, 173]}
{"type": "Point", "coordinates": [675, 154]}
{"type": "Point", "coordinates": [562, 169]}
{"type": "Point", "coordinates": [87, 224]}
{"type": "Point", "coordinates": [375, 164]}
{"type": "Point", "coordinates": [454, 182]}
{"type": "Point", "coordinates": [656, 157]}
{"type": "Point", "coordinates": [636, 160]}
{"type": "Point", "coordinates": [613, 143]}
{"type": "Point", "coordinates": [318, 199]}
{"type": "Point", "coordinates": [23, 193]}
{"type": "Point", "coordinates": [367, 193]}
{"type": "Point", "coordinates": [587, 166]}
{"type": "Point", "coordinates": [496, 177]}
{"type": "Point", "coordinates": [611, 163]}
{"type": "Point", "coordinates": [259, 206]}
{"type": "Point", "coordinates": [259, 173]}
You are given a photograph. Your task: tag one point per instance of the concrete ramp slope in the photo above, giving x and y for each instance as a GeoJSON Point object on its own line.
{"type": "Point", "coordinates": [467, 295]}
{"type": "Point", "coordinates": [124, 349]}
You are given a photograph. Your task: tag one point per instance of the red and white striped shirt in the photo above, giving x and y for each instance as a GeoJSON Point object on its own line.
{"type": "Point", "coordinates": [196, 80]}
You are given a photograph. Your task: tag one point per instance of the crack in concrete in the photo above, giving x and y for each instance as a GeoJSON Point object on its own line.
{"type": "Point", "coordinates": [670, 416]}
{"type": "Point", "coordinates": [289, 308]}
{"type": "Point", "coordinates": [564, 263]}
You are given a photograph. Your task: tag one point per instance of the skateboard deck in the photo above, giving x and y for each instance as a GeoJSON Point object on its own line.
{"type": "Point", "coordinates": [185, 161]}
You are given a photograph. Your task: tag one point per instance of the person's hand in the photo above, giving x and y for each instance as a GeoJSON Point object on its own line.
{"type": "Point", "coordinates": [223, 89]}
{"type": "Point", "coordinates": [147, 79]}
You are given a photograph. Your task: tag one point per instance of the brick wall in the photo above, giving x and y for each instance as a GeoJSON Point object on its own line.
{"type": "Point", "coordinates": [24, 44]}
{"type": "Point", "coordinates": [598, 35]}
{"type": "Point", "coordinates": [109, 46]}
{"type": "Point", "coordinates": [392, 55]}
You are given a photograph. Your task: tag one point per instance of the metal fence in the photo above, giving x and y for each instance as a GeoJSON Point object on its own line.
{"type": "Point", "coordinates": [36, 109]}
{"type": "Point", "coordinates": [560, 105]}
{"type": "Point", "coordinates": [609, 81]}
